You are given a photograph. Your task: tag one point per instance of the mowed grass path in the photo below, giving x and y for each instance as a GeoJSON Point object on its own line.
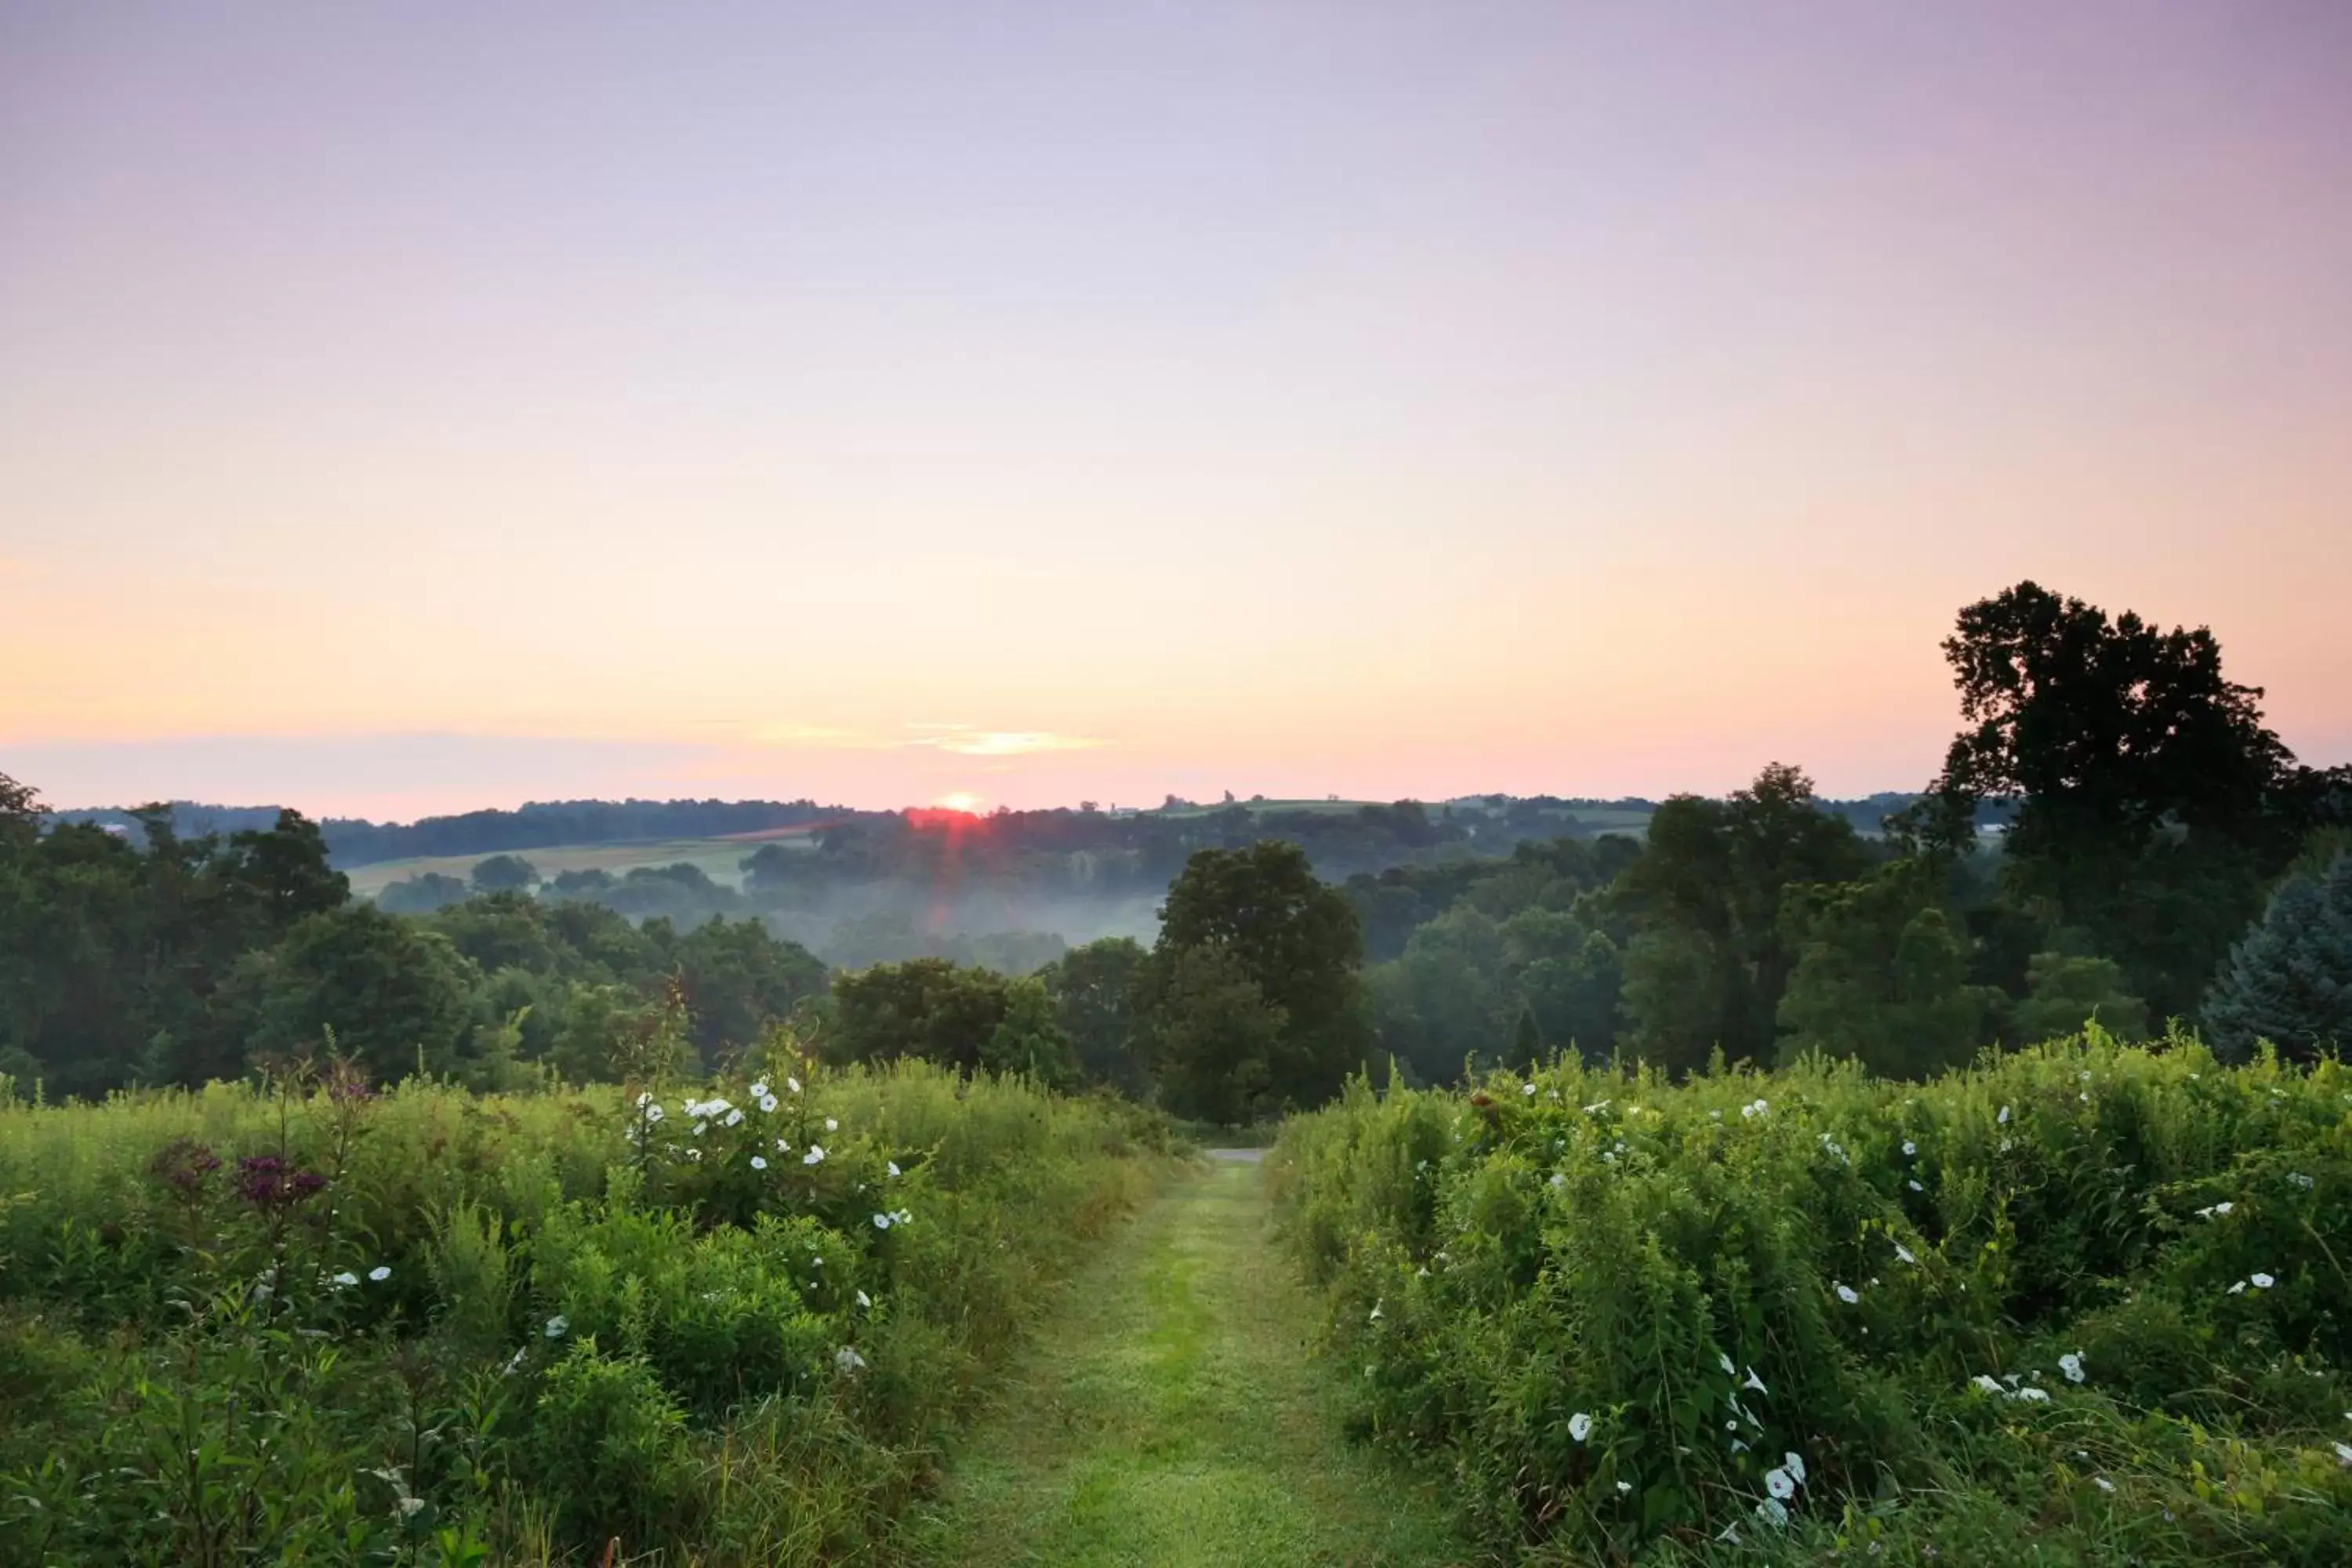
{"type": "Point", "coordinates": [1170, 1414]}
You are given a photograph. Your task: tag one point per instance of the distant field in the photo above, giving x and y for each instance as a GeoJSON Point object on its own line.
{"type": "Point", "coordinates": [721, 859]}
{"type": "Point", "coordinates": [1325, 805]}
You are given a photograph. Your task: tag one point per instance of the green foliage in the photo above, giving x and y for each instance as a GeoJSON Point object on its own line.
{"type": "Point", "coordinates": [1712, 956]}
{"type": "Point", "coordinates": [306, 1322]}
{"type": "Point", "coordinates": [504, 873]}
{"type": "Point", "coordinates": [2154, 805]}
{"type": "Point", "coordinates": [397, 997]}
{"type": "Point", "coordinates": [2289, 982]}
{"type": "Point", "coordinates": [2064, 992]}
{"type": "Point", "coordinates": [926, 1008]}
{"type": "Point", "coordinates": [1029, 1040]}
{"type": "Point", "coordinates": [1881, 978]}
{"type": "Point", "coordinates": [422, 894]}
{"type": "Point", "coordinates": [1094, 999]}
{"type": "Point", "coordinates": [1257, 920]}
{"type": "Point", "coordinates": [1214, 1037]}
{"type": "Point", "coordinates": [2083, 1301]}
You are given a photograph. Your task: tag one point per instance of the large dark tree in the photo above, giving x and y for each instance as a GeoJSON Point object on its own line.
{"type": "Point", "coordinates": [2154, 805]}
{"type": "Point", "coordinates": [1291, 938]}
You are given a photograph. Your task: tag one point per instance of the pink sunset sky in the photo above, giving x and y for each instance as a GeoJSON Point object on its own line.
{"type": "Point", "coordinates": [414, 407]}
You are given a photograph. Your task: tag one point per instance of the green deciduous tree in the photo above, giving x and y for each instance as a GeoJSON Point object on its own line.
{"type": "Point", "coordinates": [1711, 956]}
{"type": "Point", "coordinates": [396, 995]}
{"type": "Point", "coordinates": [504, 873]}
{"type": "Point", "coordinates": [2154, 805]}
{"type": "Point", "coordinates": [1214, 1037]}
{"type": "Point", "coordinates": [1029, 1040]}
{"type": "Point", "coordinates": [1881, 976]}
{"type": "Point", "coordinates": [1094, 997]}
{"type": "Point", "coordinates": [2064, 992]}
{"type": "Point", "coordinates": [925, 1007]}
{"type": "Point", "coordinates": [1292, 937]}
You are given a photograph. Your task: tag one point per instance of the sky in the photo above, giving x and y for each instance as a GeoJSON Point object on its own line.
{"type": "Point", "coordinates": [414, 407]}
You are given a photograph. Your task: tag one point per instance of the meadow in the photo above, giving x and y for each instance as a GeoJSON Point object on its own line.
{"type": "Point", "coordinates": [2086, 1303]}
{"type": "Point", "coordinates": [305, 1321]}
{"type": "Point", "coordinates": [720, 859]}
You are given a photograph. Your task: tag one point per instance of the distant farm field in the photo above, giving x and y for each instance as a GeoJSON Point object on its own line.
{"type": "Point", "coordinates": [720, 859]}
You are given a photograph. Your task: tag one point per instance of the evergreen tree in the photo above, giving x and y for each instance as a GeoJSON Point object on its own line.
{"type": "Point", "coordinates": [2289, 980]}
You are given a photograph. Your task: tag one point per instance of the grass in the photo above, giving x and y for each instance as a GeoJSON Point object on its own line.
{"type": "Point", "coordinates": [1171, 1415]}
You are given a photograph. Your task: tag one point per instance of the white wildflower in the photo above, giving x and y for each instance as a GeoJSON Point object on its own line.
{"type": "Point", "coordinates": [2033, 1395]}
{"type": "Point", "coordinates": [379, 1273]}
{"type": "Point", "coordinates": [2264, 1281]}
{"type": "Point", "coordinates": [759, 1089]}
{"type": "Point", "coordinates": [1794, 1466]}
{"type": "Point", "coordinates": [1527, 1089]}
{"type": "Point", "coordinates": [2296, 1178]}
{"type": "Point", "coordinates": [769, 1102]}
{"type": "Point", "coordinates": [1755, 1382]}
{"type": "Point", "coordinates": [758, 1161]}
{"type": "Point", "coordinates": [1989, 1383]}
{"type": "Point", "coordinates": [734, 1119]}
{"type": "Point", "coordinates": [882, 1222]}
{"type": "Point", "coordinates": [2071, 1364]}
{"type": "Point", "coordinates": [653, 1113]}
{"type": "Point", "coordinates": [1846, 1293]}
{"type": "Point", "coordinates": [2004, 1117]}
{"type": "Point", "coordinates": [2344, 1453]}
{"type": "Point", "coordinates": [700, 1127]}
{"type": "Point", "coordinates": [815, 1156]}
{"type": "Point", "coordinates": [892, 1166]}
{"type": "Point", "coordinates": [863, 1299]}
{"type": "Point", "coordinates": [1731, 1367]}
{"type": "Point", "coordinates": [1558, 1181]}
{"type": "Point", "coordinates": [1910, 1147]}
{"type": "Point", "coordinates": [903, 1217]}
{"type": "Point", "coordinates": [2237, 1289]}
{"type": "Point", "coordinates": [792, 1083]}
{"type": "Point", "coordinates": [557, 1327]}
{"type": "Point", "coordinates": [1903, 1253]}
{"type": "Point", "coordinates": [1772, 1510]}
{"type": "Point", "coordinates": [1579, 1426]}
{"type": "Point", "coordinates": [2104, 1484]}
{"type": "Point", "coordinates": [1779, 1483]}
{"type": "Point", "coordinates": [346, 1277]}
{"type": "Point", "coordinates": [847, 1359]}
{"type": "Point", "coordinates": [830, 1125]}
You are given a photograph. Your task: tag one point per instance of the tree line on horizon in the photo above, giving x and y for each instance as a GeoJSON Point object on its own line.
{"type": "Point", "coordinates": [2165, 857]}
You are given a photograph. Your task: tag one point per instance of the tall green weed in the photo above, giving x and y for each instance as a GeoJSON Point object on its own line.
{"type": "Point", "coordinates": [2087, 1295]}
{"type": "Point", "coordinates": [304, 1322]}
